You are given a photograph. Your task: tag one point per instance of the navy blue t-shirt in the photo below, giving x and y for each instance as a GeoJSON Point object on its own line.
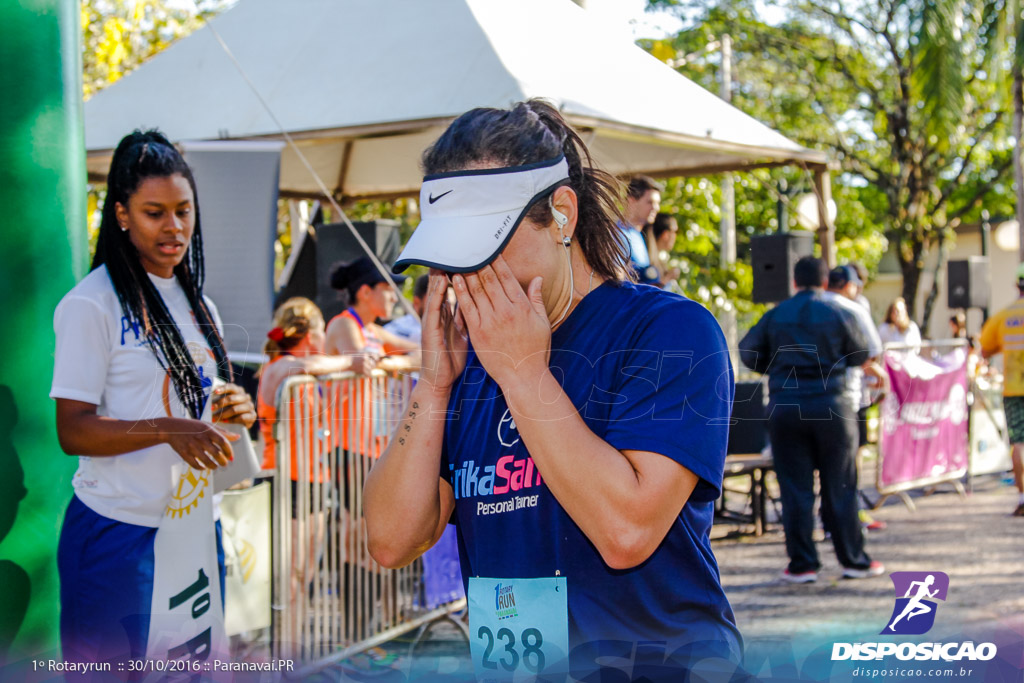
{"type": "Point", "coordinates": [648, 370]}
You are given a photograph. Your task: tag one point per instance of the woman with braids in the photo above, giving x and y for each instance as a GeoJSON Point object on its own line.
{"type": "Point", "coordinates": [571, 424]}
{"type": "Point", "coordinates": [138, 350]}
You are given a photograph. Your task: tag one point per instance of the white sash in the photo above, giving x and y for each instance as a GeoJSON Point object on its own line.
{"type": "Point", "coordinates": [186, 618]}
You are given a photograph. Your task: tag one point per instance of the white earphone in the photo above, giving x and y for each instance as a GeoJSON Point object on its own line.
{"type": "Point", "coordinates": [561, 219]}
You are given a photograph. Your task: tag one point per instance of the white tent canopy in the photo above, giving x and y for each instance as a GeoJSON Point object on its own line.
{"type": "Point", "coordinates": [365, 85]}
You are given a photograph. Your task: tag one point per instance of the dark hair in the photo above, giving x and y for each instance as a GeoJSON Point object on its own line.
{"type": "Point", "coordinates": [530, 132]}
{"type": "Point", "coordinates": [350, 277]}
{"type": "Point", "coordinates": [639, 185]}
{"type": "Point", "coordinates": [420, 287]}
{"type": "Point", "coordinates": [661, 224]}
{"type": "Point", "coordinates": [810, 272]}
{"type": "Point", "coordinates": [890, 315]}
{"type": "Point", "coordinates": [959, 320]}
{"type": "Point", "coordinates": [141, 155]}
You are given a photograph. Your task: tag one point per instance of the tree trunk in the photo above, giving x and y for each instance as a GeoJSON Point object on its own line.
{"type": "Point", "coordinates": [911, 279]}
{"type": "Point", "coordinates": [937, 278]}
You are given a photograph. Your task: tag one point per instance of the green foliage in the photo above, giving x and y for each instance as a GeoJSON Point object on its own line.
{"type": "Point", "coordinates": [118, 35]}
{"type": "Point", "coordinates": [896, 92]}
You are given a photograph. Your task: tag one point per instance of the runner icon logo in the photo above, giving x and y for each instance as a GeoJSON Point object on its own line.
{"type": "Point", "coordinates": [916, 592]}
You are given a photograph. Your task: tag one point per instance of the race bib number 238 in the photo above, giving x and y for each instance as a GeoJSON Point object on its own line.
{"type": "Point", "coordinates": [519, 629]}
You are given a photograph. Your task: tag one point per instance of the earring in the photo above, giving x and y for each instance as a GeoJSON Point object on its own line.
{"type": "Point", "coordinates": [566, 241]}
{"type": "Point", "coordinates": [124, 228]}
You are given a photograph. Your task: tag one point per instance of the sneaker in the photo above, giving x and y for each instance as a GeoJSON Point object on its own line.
{"type": "Point", "coordinates": [876, 568]}
{"type": "Point", "coordinates": [870, 523]}
{"type": "Point", "coordinates": [1019, 512]}
{"type": "Point", "coordinates": [802, 577]}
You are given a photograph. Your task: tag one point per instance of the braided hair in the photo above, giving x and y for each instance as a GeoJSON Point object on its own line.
{"type": "Point", "coordinates": [141, 155]}
{"type": "Point", "coordinates": [535, 131]}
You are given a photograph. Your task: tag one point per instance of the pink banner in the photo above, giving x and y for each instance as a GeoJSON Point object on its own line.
{"type": "Point", "coordinates": [923, 418]}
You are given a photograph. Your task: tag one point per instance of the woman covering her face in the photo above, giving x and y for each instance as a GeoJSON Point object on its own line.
{"type": "Point", "coordinates": [571, 424]}
{"type": "Point", "coordinates": [140, 377]}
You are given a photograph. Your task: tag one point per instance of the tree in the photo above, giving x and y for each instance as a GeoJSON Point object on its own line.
{"type": "Point", "coordinates": [118, 36]}
{"type": "Point", "coordinates": [895, 91]}
{"type": "Point", "coordinates": [1003, 26]}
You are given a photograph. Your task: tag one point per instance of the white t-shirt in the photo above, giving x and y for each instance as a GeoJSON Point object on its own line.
{"type": "Point", "coordinates": [855, 376]}
{"type": "Point", "coordinates": [102, 358]}
{"type": "Point", "coordinates": [407, 327]}
{"type": "Point", "coordinates": [890, 334]}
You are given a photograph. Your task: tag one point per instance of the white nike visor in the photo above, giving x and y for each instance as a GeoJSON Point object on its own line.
{"type": "Point", "coordinates": [467, 217]}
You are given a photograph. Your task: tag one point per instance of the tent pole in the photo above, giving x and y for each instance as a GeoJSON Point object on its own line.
{"type": "Point", "coordinates": [727, 231]}
{"type": "Point", "coordinates": [826, 229]}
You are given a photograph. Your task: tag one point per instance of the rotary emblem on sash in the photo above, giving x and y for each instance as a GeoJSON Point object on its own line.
{"type": "Point", "coordinates": [191, 487]}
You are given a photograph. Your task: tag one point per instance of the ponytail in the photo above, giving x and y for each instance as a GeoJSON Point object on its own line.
{"type": "Point", "coordinates": [293, 320]}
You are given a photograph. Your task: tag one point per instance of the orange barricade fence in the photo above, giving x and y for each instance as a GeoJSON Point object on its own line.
{"type": "Point", "coordinates": [331, 599]}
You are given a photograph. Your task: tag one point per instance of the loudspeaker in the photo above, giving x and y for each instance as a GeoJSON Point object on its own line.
{"type": "Point", "coordinates": [748, 430]}
{"type": "Point", "coordinates": [327, 246]}
{"type": "Point", "coordinates": [772, 258]}
{"type": "Point", "coordinates": [968, 283]}
{"type": "Point", "coordinates": [300, 277]}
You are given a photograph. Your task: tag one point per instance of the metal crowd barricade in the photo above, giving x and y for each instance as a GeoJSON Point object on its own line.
{"type": "Point", "coordinates": [928, 472]}
{"type": "Point", "coordinates": [331, 600]}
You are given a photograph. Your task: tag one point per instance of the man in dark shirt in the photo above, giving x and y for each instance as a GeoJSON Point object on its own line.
{"type": "Point", "coordinates": [804, 345]}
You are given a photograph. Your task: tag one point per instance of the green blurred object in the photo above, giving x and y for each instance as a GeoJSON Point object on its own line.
{"type": "Point", "coordinates": [42, 197]}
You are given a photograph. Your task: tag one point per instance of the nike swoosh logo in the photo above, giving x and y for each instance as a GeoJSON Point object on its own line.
{"type": "Point", "coordinates": [433, 199]}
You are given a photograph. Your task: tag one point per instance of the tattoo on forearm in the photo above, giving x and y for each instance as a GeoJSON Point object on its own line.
{"type": "Point", "coordinates": [407, 427]}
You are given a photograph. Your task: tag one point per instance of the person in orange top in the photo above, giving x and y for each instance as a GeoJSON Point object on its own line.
{"type": "Point", "coordinates": [296, 347]}
{"type": "Point", "coordinates": [355, 331]}
{"type": "Point", "coordinates": [1004, 333]}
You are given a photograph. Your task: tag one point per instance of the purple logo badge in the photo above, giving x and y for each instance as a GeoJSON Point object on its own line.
{"type": "Point", "coordinates": [916, 593]}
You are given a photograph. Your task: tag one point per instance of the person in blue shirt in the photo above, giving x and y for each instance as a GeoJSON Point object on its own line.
{"type": "Point", "coordinates": [570, 423]}
{"type": "Point", "coordinates": [643, 199]}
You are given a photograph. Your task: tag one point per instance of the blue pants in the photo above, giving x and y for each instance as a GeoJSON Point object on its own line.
{"type": "Point", "coordinates": [106, 585]}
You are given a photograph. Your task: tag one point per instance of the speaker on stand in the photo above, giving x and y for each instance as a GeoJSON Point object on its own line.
{"type": "Point", "coordinates": [327, 246]}
{"type": "Point", "coordinates": [968, 283]}
{"type": "Point", "coordinates": [336, 245]}
{"type": "Point", "coordinates": [772, 258]}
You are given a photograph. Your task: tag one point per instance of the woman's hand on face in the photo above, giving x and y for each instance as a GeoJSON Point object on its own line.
{"type": "Point", "coordinates": [200, 444]}
{"type": "Point", "coordinates": [509, 327]}
{"type": "Point", "coordinates": [444, 341]}
{"type": "Point", "coordinates": [231, 404]}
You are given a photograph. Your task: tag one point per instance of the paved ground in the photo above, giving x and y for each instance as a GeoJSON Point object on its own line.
{"type": "Point", "coordinates": [972, 539]}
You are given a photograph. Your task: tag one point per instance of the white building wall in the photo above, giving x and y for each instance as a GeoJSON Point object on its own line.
{"type": "Point", "coordinates": [1002, 265]}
